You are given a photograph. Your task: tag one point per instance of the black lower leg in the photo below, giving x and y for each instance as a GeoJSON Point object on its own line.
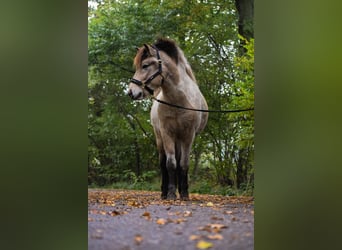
{"type": "Point", "coordinates": [171, 170]}
{"type": "Point", "coordinates": [184, 194]}
{"type": "Point", "coordinates": [165, 177]}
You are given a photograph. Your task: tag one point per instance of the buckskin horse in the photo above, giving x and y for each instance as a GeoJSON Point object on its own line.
{"type": "Point", "coordinates": [162, 71]}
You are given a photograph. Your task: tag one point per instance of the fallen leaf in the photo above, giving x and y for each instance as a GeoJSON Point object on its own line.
{"type": "Point", "coordinates": [170, 220]}
{"type": "Point", "coordinates": [195, 237]}
{"type": "Point", "coordinates": [248, 234]}
{"type": "Point", "coordinates": [213, 228]}
{"type": "Point", "coordinates": [210, 204]}
{"type": "Point", "coordinates": [206, 228]}
{"type": "Point", "coordinates": [180, 220]}
{"type": "Point", "coordinates": [114, 213]}
{"type": "Point", "coordinates": [146, 214]}
{"type": "Point", "coordinates": [218, 226]}
{"type": "Point", "coordinates": [216, 218]}
{"type": "Point", "coordinates": [215, 236]}
{"type": "Point", "coordinates": [161, 221]}
{"type": "Point", "coordinates": [187, 213]}
{"type": "Point", "coordinates": [138, 239]}
{"type": "Point", "coordinates": [204, 244]}
{"type": "Point", "coordinates": [228, 212]}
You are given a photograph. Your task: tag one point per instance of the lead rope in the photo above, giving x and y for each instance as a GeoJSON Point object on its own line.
{"type": "Point", "coordinates": [202, 110]}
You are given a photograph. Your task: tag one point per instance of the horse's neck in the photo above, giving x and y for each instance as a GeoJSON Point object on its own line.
{"type": "Point", "coordinates": [176, 93]}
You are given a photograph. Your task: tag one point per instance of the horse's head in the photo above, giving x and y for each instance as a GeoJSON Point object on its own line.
{"type": "Point", "coordinates": [148, 75]}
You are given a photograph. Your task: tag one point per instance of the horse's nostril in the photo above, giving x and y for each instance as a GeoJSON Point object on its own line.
{"type": "Point", "coordinates": [130, 94]}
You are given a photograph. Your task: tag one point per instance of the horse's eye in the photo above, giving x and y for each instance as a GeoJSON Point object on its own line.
{"type": "Point", "coordinates": [145, 66]}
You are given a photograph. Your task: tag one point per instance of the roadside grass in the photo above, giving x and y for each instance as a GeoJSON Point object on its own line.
{"type": "Point", "coordinates": [199, 187]}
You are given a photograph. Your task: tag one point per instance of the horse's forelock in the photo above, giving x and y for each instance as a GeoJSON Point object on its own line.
{"type": "Point", "coordinates": [140, 56]}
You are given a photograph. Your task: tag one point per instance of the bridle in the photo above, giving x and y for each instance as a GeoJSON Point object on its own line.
{"type": "Point", "coordinates": [144, 85]}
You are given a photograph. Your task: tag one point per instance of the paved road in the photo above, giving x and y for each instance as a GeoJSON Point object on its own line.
{"type": "Point", "coordinates": [139, 220]}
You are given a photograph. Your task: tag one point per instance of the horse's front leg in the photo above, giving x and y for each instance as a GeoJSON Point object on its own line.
{"type": "Point", "coordinates": [168, 148]}
{"type": "Point", "coordinates": [171, 170]}
{"type": "Point", "coordinates": [171, 165]}
{"type": "Point", "coordinates": [183, 171]}
{"type": "Point", "coordinates": [165, 175]}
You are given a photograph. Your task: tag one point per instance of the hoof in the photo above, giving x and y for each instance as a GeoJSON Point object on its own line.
{"type": "Point", "coordinates": [184, 196]}
{"type": "Point", "coordinates": [171, 196]}
{"type": "Point", "coordinates": [163, 197]}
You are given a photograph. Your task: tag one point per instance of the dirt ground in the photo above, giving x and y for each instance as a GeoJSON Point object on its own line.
{"type": "Point", "coordinates": [128, 220]}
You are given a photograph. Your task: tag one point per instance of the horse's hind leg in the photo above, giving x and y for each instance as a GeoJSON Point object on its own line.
{"type": "Point", "coordinates": [183, 183]}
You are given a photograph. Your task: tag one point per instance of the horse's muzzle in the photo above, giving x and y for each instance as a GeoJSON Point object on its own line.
{"type": "Point", "coordinates": [135, 95]}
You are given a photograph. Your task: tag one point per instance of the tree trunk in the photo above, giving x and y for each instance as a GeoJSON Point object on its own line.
{"type": "Point", "coordinates": [137, 156]}
{"type": "Point", "coordinates": [245, 10]}
{"type": "Point", "coordinates": [241, 170]}
{"type": "Point", "coordinates": [197, 155]}
{"type": "Point", "coordinates": [136, 146]}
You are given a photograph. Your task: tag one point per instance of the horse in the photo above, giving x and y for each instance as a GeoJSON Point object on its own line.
{"type": "Point", "coordinates": [163, 72]}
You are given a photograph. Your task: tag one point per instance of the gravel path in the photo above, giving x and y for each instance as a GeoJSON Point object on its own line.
{"type": "Point", "coordinates": [128, 220]}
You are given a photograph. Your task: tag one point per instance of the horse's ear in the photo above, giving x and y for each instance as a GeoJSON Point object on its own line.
{"type": "Point", "coordinates": [137, 48]}
{"type": "Point", "coordinates": [147, 49]}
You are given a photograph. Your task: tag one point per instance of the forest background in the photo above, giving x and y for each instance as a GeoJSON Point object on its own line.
{"type": "Point", "coordinates": [217, 39]}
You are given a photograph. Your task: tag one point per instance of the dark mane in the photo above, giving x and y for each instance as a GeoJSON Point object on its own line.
{"type": "Point", "coordinates": [169, 47]}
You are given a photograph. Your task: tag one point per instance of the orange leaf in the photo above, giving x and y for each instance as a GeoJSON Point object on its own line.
{"type": "Point", "coordinates": [194, 237]}
{"type": "Point", "coordinates": [215, 237]}
{"type": "Point", "coordinates": [216, 218]}
{"type": "Point", "coordinates": [138, 239]}
{"type": "Point", "coordinates": [114, 213]}
{"type": "Point", "coordinates": [217, 226]}
{"type": "Point", "coordinates": [146, 214]}
{"type": "Point", "coordinates": [161, 221]}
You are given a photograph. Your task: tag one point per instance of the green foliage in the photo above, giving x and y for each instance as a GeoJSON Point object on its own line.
{"type": "Point", "coordinates": [121, 141]}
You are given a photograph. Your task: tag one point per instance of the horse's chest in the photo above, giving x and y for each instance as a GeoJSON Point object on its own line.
{"type": "Point", "coordinates": [178, 124]}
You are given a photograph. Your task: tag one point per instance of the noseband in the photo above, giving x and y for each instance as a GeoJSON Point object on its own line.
{"type": "Point", "coordinates": [144, 85]}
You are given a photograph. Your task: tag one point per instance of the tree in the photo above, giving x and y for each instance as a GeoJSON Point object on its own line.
{"type": "Point", "coordinates": [120, 136]}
